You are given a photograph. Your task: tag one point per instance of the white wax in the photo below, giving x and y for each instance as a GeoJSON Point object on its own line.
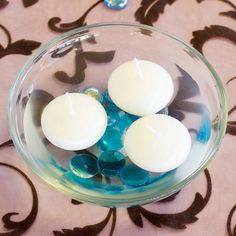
{"type": "Point", "coordinates": [74, 121]}
{"type": "Point", "coordinates": [157, 143]}
{"type": "Point", "coordinates": [140, 87]}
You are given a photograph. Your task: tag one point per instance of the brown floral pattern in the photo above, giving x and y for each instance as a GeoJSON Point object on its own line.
{"type": "Point", "coordinates": [175, 220]}
{"type": "Point", "coordinates": [81, 59]}
{"type": "Point", "coordinates": [22, 46]}
{"type": "Point", "coordinates": [150, 10]}
{"type": "Point", "coordinates": [63, 27]}
{"type": "Point", "coordinates": [91, 230]}
{"type": "Point", "coordinates": [178, 220]}
{"type": "Point", "coordinates": [231, 232]}
{"type": "Point", "coordinates": [3, 3]}
{"type": "Point", "coordinates": [19, 227]}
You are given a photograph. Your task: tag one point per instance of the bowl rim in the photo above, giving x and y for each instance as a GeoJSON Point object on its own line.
{"type": "Point", "coordinates": [111, 201]}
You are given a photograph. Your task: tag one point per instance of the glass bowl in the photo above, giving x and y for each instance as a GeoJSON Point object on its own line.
{"type": "Point", "coordinates": [82, 60]}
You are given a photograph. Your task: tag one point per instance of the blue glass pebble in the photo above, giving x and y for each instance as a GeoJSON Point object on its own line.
{"type": "Point", "coordinates": [70, 178]}
{"type": "Point", "coordinates": [116, 117]}
{"type": "Point", "coordinates": [123, 121]}
{"type": "Point", "coordinates": [113, 189]}
{"type": "Point", "coordinates": [108, 103]}
{"type": "Point", "coordinates": [133, 117]}
{"type": "Point", "coordinates": [112, 117]}
{"type": "Point", "coordinates": [111, 140]}
{"type": "Point", "coordinates": [84, 165]}
{"type": "Point", "coordinates": [92, 92]}
{"type": "Point", "coordinates": [204, 132]}
{"type": "Point", "coordinates": [157, 176]}
{"type": "Point", "coordinates": [120, 120]}
{"type": "Point", "coordinates": [110, 163]}
{"type": "Point", "coordinates": [116, 4]}
{"type": "Point", "coordinates": [56, 164]}
{"type": "Point", "coordinates": [134, 176]}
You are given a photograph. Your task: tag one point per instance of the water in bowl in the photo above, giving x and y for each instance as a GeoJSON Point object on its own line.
{"type": "Point", "coordinates": [105, 167]}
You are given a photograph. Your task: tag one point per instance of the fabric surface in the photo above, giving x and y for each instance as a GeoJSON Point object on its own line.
{"type": "Point", "coordinates": [206, 206]}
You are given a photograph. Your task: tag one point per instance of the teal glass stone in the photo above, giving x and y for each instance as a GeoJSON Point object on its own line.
{"type": "Point", "coordinates": [69, 178]}
{"type": "Point", "coordinates": [112, 117]}
{"type": "Point", "coordinates": [134, 176]}
{"type": "Point", "coordinates": [133, 117]}
{"type": "Point", "coordinates": [92, 92]}
{"type": "Point", "coordinates": [56, 164]}
{"type": "Point", "coordinates": [84, 165]}
{"type": "Point", "coordinates": [113, 189]}
{"type": "Point", "coordinates": [116, 4]}
{"type": "Point", "coordinates": [111, 140]}
{"type": "Point", "coordinates": [116, 117]}
{"type": "Point", "coordinates": [119, 120]}
{"type": "Point", "coordinates": [123, 122]}
{"type": "Point", "coordinates": [154, 177]}
{"type": "Point", "coordinates": [110, 163]}
{"type": "Point", "coordinates": [204, 132]}
{"type": "Point", "coordinates": [108, 103]}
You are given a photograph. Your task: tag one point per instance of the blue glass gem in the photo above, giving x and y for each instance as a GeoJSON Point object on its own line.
{"type": "Point", "coordinates": [120, 120]}
{"type": "Point", "coordinates": [133, 117]}
{"type": "Point", "coordinates": [74, 181]}
{"type": "Point", "coordinates": [92, 92]}
{"type": "Point", "coordinates": [110, 163]}
{"type": "Point", "coordinates": [134, 176]}
{"type": "Point", "coordinates": [84, 165]}
{"type": "Point", "coordinates": [123, 121]}
{"type": "Point", "coordinates": [56, 164]}
{"type": "Point", "coordinates": [111, 140]}
{"type": "Point", "coordinates": [112, 117]}
{"type": "Point", "coordinates": [107, 102]}
{"type": "Point", "coordinates": [116, 4]}
{"type": "Point", "coordinates": [204, 132]}
{"type": "Point", "coordinates": [114, 189]}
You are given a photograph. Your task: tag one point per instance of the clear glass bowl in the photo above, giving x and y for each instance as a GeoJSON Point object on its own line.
{"type": "Point", "coordinates": [84, 58]}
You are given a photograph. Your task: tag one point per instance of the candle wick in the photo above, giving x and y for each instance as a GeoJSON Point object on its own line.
{"type": "Point", "coordinates": [71, 109]}
{"type": "Point", "coordinates": [137, 64]}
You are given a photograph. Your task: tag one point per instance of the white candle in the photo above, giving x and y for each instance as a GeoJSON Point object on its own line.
{"type": "Point", "coordinates": [157, 143]}
{"type": "Point", "coordinates": [140, 87]}
{"type": "Point", "coordinates": [74, 121]}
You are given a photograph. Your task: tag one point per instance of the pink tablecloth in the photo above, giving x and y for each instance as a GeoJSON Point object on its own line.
{"type": "Point", "coordinates": [204, 207]}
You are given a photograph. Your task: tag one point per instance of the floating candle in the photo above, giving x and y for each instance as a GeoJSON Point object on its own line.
{"type": "Point", "coordinates": [140, 87]}
{"type": "Point", "coordinates": [74, 121]}
{"type": "Point", "coordinates": [157, 143]}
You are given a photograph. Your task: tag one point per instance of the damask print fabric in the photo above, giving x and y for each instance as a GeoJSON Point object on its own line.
{"type": "Point", "coordinates": [28, 206]}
